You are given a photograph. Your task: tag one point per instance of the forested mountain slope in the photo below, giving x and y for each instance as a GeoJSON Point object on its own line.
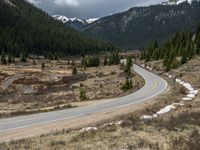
{"type": "Point", "coordinates": [138, 26]}
{"type": "Point", "coordinates": [176, 51]}
{"type": "Point", "coordinates": [26, 29]}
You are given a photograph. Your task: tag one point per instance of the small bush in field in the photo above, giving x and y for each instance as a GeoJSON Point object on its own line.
{"type": "Point", "coordinates": [182, 90]}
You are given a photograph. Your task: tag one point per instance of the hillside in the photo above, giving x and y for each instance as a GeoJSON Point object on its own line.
{"type": "Point", "coordinates": [27, 29]}
{"type": "Point", "coordinates": [176, 51]}
{"type": "Point", "coordinates": [138, 26]}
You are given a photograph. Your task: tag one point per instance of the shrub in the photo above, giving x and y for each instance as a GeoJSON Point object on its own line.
{"type": "Point", "coordinates": [82, 95]}
{"type": "Point", "coordinates": [74, 71]}
{"type": "Point", "coordinates": [182, 90]}
{"type": "Point", "coordinates": [127, 85]}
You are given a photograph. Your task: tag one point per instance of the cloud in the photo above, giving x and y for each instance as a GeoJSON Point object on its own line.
{"type": "Point", "coordinates": [90, 8]}
{"type": "Point", "coordinates": [71, 3]}
{"type": "Point", "coordinates": [35, 1]}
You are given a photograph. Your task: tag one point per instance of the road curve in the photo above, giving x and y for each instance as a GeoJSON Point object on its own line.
{"type": "Point", "coordinates": [154, 85]}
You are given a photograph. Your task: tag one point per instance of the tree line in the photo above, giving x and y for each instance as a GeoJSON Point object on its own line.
{"type": "Point", "coordinates": [95, 61]}
{"type": "Point", "coordinates": [178, 50]}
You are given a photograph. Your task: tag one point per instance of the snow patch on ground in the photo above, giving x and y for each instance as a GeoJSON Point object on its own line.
{"type": "Point", "coordinates": [162, 111]}
{"type": "Point", "coordinates": [88, 129]}
{"type": "Point", "coordinates": [147, 117]}
{"type": "Point", "coordinates": [192, 93]}
{"type": "Point", "coordinates": [186, 99]}
{"type": "Point", "coordinates": [166, 109]}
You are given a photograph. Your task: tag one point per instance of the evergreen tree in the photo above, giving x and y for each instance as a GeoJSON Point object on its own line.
{"type": "Point", "coordinates": [34, 62]}
{"type": "Point", "coordinates": [82, 94]}
{"type": "Point", "coordinates": [175, 63]}
{"type": "Point", "coordinates": [43, 65]}
{"type": "Point", "coordinates": [184, 57]}
{"type": "Point", "coordinates": [130, 84]}
{"type": "Point", "coordinates": [74, 70]}
{"type": "Point", "coordinates": [73, 63]}
{"type": "Point", "coordinates": [198, 44]}
{"type": "Point", "coordinates": [13, 60]}
{"type": "Point", "coordinates": [114, 59]}
{"type": "Point", "coordinates": [9, 59]}
{"type": "Point", "coordinates": [105, 61]}
{"type": "Point", "coordinates": [84, 63]}
{"type": "Point", "coordinates": [93, 61]}
{"type": "Point", "coordinates": [128, 66]}
{"type": "Point", "coordinates": [23, 57]}
{"type": "Point", "coordinates": [3, 59]}
{"type": "Point", "coordinates": [127, 85]}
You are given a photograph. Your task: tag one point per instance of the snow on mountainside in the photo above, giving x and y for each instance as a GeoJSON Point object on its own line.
{"type": "Point", "coordinates": [177, 2]}
{"type": "Point", "coordinates": [9, 3]}
{"type": "Point", "coordinates": [91, 20]}
{"type": "Point", "coordinates": [65, 19]}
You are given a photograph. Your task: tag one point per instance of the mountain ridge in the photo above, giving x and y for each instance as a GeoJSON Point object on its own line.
{"type": "Point", "coordinates": [75, 23]}
{"type": "Point", "coordinates": [139, 26]}
{"type": "Point", "coordinates": [177, 2]}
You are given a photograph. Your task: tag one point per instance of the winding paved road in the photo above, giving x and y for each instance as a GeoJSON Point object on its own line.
{"type": "Point", "coordinates": [154, 85]}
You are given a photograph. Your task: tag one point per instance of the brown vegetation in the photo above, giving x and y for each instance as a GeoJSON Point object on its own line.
{"type": "Point", "coordinates": [26, 88]}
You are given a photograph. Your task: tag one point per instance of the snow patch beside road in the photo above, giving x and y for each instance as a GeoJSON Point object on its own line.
{"type": "Point", "coordinates": [162, 111]}
{"type": "Point", "coordinates": [87, 129]}
{"type": "Point", "coordinates": [190, 96]}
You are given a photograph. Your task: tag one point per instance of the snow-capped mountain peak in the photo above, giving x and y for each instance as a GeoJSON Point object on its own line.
{"type": "Point", "coordinates": [91, 20]}
{"type": "Point", "coordinates": [65, 19]}
{"type": "Point", "coordinates": [177, 2]}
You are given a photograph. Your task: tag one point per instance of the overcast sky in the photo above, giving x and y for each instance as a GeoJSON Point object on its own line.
{"type": "Point", "coordinates": [89, 8]}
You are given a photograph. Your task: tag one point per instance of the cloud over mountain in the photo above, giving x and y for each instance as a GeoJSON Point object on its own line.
{"type": "Point", "coordinates": [71, 3]}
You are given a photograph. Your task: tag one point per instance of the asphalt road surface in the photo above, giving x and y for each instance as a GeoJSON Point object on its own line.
{"type": "Point", "coordinates": [154, 85]}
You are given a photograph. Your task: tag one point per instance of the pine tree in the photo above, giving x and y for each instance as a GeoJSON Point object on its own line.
{"type": "Point", "coordinates": [191, 50]}
{"type": "Point", "coordinates": [168, 66]}
{"type": "Point", "coordinates": [3, 59]}
{"type": "Point", "coordinates": [105, 61]}
{"type": "Point", "coordinates": [43, 65]}
{"type": "Point", "coordinates": [9, 59]}
{"type": "Point", "coordinates": [84, 63]}
{"type": "Point", "coordinates": [73, 63]}
{"type": "Point", "coordinates": [74, 71]}
{"type": "Point", "coordinates": [155, 45]}
{"type": "Point", "coordinates": [82, 94]}
{"type": "Point", "coordinates": [23, 57]}
{"type": "Point", "coordinates": [198, 45]}
{"type": "Point", "coordinates": [127, 85]}
{"type": "Point", "coordinates": [184, 57]}
{"type": "Point", "coordinates": [34, 62]}
{"type": "Point", "coordinates": [128, 66]}
{"type": "Point", "coordinates": [175, 63]}
{"type": "Point", "coordinates": [114, 59]}
{"type": "Point", "coordinates": [130, 84]}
